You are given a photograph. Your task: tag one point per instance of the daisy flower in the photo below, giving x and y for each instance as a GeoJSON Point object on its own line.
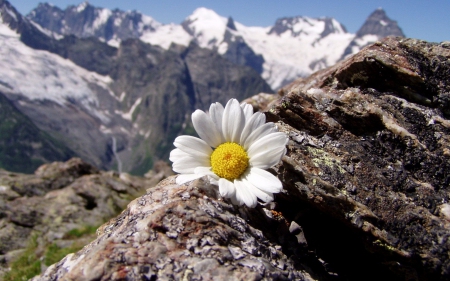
{"type": "Point", "coordinates": [235, 148]}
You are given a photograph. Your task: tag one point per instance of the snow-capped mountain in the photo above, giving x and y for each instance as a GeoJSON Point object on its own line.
{"type": "Point", "coordinates": [116, 108]}
{"type": "Point", "coordinates": [378, 25]}
{"type": "Point", "coordinates": [292, 47]}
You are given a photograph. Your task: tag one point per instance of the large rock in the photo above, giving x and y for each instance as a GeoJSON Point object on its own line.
{"type": "Point", "coordinates": [181, 233]}
{"type": "Point", "coordinates": [370, 153]}
{"type": "Point", "coordinates": [366, 188]}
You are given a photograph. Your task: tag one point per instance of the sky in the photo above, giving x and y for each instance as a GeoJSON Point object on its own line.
{"type": "Point", "coordinates": [422, 19]}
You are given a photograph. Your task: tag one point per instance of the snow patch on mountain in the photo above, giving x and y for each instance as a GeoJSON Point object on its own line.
{"type": "Point", "coordinates": [101, 19]}
{"type": "Point", "coordinates": [288, 55]}
{"type": "Point", "coordinates": [207, 27]}
{"type": "Point", "coordinates": [167, 34]}
{"type": "Point", "coordinates": [40, 75]}
{"type": "Point", "coordinates": [81, 7]}
{"type": "Point", "coordinates": [6, 31]}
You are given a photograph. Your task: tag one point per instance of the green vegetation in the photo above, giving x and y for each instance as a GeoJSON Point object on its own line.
{"type": "Point", "coordinates": [80, 232]}
{"type": "Point", "coordinates": [54, 253]}
{"type": "Point", "coordinates": [28, 263]}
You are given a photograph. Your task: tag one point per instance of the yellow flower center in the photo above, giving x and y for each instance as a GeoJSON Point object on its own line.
{"type": "Point", "coordinates": [229, 160]}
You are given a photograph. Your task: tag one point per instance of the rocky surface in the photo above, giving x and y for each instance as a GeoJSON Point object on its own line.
{"type": "Point", "coordinates": [60, 197]}
{"type": "Point", "coordinates": [366, 188]}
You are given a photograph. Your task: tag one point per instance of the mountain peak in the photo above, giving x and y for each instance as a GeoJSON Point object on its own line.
{"type": "Point", "coordinates": [204, 13]}
{"type": "Point", "coordinates": [378, 23]}
{"type": "Point", "coordinates": [206, 26]}
{"type": "Point", "coordinates": [230, 24]}
{"type": "Point", "coordinates": [82, 6]}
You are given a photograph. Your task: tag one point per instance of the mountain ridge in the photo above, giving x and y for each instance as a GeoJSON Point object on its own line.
{"type": "Point", "coordinates": [318, 42]}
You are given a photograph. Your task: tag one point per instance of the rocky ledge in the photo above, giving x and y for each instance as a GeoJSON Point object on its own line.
{"type": "Point", "coordinates": [366, 188]}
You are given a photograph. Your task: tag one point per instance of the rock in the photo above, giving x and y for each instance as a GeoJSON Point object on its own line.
{"type": "Point", "coordinates": [366, 188]}
{"type": "Point", "coordinates": [166, 234]}
{"type": "Point", "coordinates": [59, 198]}
{"type": "Point", "coordinates": [369, 153]}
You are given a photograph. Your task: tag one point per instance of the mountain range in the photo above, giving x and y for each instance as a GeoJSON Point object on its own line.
{"type": "Point", "coordinates": [115, 88]}
{"type": "Point", "coordinates": [291, 48]}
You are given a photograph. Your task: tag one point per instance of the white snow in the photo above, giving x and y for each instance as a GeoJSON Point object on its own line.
{"type": "Point", "coordinates": [208, 27]}
{"type": "Point", "coordinates": [366, 39]}
{"type": "Point", "coordinates": [102, 17]}
{"type": "Point", "coordinates": [114, 42]}
{"type": "Point", "coordinates": [167, 34]}
{"type": "Point", "coordinates": [122, 96]}
{"type": "Point", "coordinates": [81, 7]}
{"type": "Point", "coordinates": [383, 23]}
{"type": "Point", "coordinates": [147, 22]}
{"type": "Point", "coordinates": [11, 13]}
{"type": "Point", "coordinates": [40, 75]}
{"type": "Point", "coordinates": [6, 31]}
{"type": "Point", "coordinates": [46, 31]}
{"type": "Point", "coordinates": [129, 114]}
{"type": "Point", "coordinates": [286, 57]}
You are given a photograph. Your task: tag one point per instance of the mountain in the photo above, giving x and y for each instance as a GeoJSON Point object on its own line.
{"type": "Point", "coordinates": [292, 47]}
{"type": "Point", "coordinates": [23, 146]}
{"type": "Point", "coordinates": [115, 107]}
{"type": "Point", "coordinates": [377, 26]}
{"type": "Point", "coordinates": [86, 20]}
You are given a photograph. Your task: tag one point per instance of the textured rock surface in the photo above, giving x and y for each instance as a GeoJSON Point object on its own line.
{"type": "Point", "coordinates": [181, 233]}
{"type": "Point", "coordinates": [366, 188]}
{"type": "Point", "coordinates": [369, 150]}
{"type": "Point", "coordinates": [61, 197]}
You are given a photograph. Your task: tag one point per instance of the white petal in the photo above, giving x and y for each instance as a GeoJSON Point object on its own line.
{"type": "Point", "coordinates": [216, 114]}
{"type": "Point", "coordinates": [233, 121]}
{"type": "Point", "coordinates": [205, 171]}
{"type": "Point", "coordinates": [206, 129]}
{"type": "Point", "coordinates": [176, 154]}
{"type": "Point", "coordinates": [267, 143]}
{"type": "Point", "coordinates": [263, 195]}
{"type": "Point", "coordinates": [248, 110]}
{"type": "Point", "coordinates": [193, 146]}
{"type": "Point", "coordinates": [185, 165]}
{"type": "Point", "coordinates": [226, 188]}
{"type": "Point", "coordinates": [261, 131]}
{"type": "Point", "coordinates": [181, 179]}
{"type": "Point", "coordinates": [256, 120]}
{"type": "Point", "coordinates": [264, 180]}
{"type": "Point", "coordinates": [244, 195]}
{"type": "Point", "coordinates": [267, 159]}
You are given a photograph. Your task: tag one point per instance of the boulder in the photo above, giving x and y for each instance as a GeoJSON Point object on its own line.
{"type": "Point", "coordinates": [366, 188]}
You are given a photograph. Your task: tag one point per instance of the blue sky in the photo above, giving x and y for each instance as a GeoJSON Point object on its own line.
{"type": "Point", "coordinates": [422, 19]}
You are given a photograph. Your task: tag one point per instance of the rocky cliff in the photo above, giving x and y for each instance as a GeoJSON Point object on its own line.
{"type": "Point", "coordinates": [366, 188]}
